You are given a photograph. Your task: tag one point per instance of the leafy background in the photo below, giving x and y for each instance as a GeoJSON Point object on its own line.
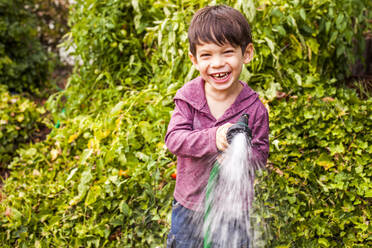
{"type": "Point", "coordinates": [103, 177]}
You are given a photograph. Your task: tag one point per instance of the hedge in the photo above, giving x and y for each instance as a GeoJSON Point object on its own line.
{"type": "Point", "coordinates": [24, 63]}
{"type": "Point", "coordinates": [103, 178]}
{"type": "Point", "coordinates": [20, 119]}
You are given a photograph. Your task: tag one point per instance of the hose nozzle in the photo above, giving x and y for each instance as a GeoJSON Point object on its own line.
{"type": "Point", "coordinates": [241, 126]}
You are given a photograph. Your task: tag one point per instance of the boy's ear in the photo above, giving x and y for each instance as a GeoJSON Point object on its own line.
{"type": "Point", "coordinates": [194, 60]}
{"type": "Point", "coordinates": [248, 53]}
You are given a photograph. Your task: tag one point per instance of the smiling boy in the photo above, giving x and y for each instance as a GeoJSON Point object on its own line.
{"type": "Point", "coordinates": [220, 44]}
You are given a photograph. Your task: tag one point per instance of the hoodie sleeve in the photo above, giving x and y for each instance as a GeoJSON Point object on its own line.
{"type": "Point", "coordinates": [260, 140]}
{"type": "Point", "coordinates": [182, 140]}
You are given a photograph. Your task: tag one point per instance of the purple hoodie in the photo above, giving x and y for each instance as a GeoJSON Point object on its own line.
{"type": "Point", "coordinates": [191, 136]}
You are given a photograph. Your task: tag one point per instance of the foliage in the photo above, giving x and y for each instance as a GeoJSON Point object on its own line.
{"type": "Point", "coordinates": [19, 119]}
{"type": "Point", "coordinates": [88, 187]}
{"type": "Point", "coordinates": [318, 192]}
{"type": "Point", "coordinates": [24, 63]}
{"type": "Point", "coordinates": [103, 178]}
{"type": "Point", "coordinates": [302, 42]}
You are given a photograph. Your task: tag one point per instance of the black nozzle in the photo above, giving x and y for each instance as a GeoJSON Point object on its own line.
{"type": "Point", "coordinates": [241, 126]}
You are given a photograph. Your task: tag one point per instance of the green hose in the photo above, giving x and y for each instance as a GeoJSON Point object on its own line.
{"type": "Point", "coordinates": [58, 124]}
{"type": "Point", "coordinates": [208, 198]}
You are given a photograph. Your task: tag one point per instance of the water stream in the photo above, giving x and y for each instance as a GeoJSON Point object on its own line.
{"type": "Point", "coordinates": [229, 220]}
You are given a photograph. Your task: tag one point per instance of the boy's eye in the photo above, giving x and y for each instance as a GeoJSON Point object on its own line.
{"type": "Point", "coordinates": [204, 55]}
{"type": "Point", "coordinates": [228, 51]}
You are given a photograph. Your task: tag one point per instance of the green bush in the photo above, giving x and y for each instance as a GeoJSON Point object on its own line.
{"type": "Point", "coordinates": [19, 120]}
{"type": "Point", "coordinates": [24, 64]}
{"type": "Point", "coordinates": [95, 180]}
{"type": "Point", "coordinates": [319, 189]}
{"type": "Point", "coordinates": [103, 177]}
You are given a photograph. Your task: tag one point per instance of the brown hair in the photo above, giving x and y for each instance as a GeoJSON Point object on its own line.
{"type": "Point", "coordinates": [219, 24]}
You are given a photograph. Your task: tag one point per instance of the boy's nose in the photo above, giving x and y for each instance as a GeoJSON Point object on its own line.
{"type": "Point", "coordinates": [217, 62]}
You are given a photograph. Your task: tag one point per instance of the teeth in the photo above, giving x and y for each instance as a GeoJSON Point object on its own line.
{"type": "Point", "coordinates": [220, 75]}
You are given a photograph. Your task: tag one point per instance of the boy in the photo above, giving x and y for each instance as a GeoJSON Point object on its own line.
{"type": "Point", "coordinates": [220, 43]}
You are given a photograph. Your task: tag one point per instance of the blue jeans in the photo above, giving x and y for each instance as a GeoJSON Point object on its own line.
{"type": "Point", "coordinates": [187, 229]}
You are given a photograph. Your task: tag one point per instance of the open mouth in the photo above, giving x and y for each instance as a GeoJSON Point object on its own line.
{"type": "Point", "coordinates": [220, 76]}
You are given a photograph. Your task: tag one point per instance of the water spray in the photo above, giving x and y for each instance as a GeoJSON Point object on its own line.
{"type": "Point", "coordinates": [220, 218]}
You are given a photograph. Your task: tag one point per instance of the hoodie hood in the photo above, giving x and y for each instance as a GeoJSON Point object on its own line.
{"type": "Point", "coordinates": [193, 93]}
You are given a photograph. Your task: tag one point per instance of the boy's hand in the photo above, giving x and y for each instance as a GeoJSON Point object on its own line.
{"type": "Point", "coordinates": [221, 141]}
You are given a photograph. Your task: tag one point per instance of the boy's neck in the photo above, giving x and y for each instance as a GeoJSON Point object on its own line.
{"type": "Point", "coordinates": [220, 100]}
{"type": "Point", "coordinates": [223, 95]}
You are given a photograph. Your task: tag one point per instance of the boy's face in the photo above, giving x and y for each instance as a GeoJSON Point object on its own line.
{"type": "Point", "coordinates": [220, 66]}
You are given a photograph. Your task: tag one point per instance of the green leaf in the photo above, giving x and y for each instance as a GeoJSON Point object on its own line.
{"type": "Point", "coordinates": [31, 152]}
{"type": "Point", "coordinates": [146, 130]}
{"type": "Point", "coordinates": [324, 242]}
{"type": "Point", "coordinates": [333, 37]}
{"type": "Point", "coordinates": [72, 173]}
{"type": "Point", "coordinates": [124, 208]}
{"type": "Point", "coordinates": [93, 194]}
{"type": "Point", "coordinates": [303, 14]}
{"type": "Point", "coordinates": [313, 44]}
{"type": "Point", "coordinates": [325, 161]}
{"type": "Point", "coordinates": [83, 186]}
{"type": "Point", "coordinates": [85, 155]}
{"type": "Point", "coordinates": [368, 193]}
{"type": "Point", "coordinates": [115, 110]}
{"type": "Point", "coordinates": [15, 214]}
{"type": "Point", "coordinates": [339, 148]}
{"type": "Point", "coordinates": [270, 43]}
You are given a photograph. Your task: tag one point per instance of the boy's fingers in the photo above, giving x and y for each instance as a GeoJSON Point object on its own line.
{"type": "Point", "coordinates": [220, 146]}
{"type": "Point", "coordinates": [221, 140]}
{"type": "Point", "coordinates": [225, 128]}
{"type": "Point", "coordinates": [220, 143]}
{"type": "Point", "coordinates": [223, 143]}
{"type": "Point", "coordinates": [220, 158]}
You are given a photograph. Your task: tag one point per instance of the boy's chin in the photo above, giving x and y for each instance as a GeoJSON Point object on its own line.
{"type": "Point", "coordinates": [220, 86]}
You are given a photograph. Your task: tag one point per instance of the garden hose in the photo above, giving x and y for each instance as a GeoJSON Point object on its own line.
{"type": "Point", "coordinates": [241, 126]}
{"type": "Point", "coordinates": [58, 124]}
{"type": "Point", "coordinates": [208, 206]}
